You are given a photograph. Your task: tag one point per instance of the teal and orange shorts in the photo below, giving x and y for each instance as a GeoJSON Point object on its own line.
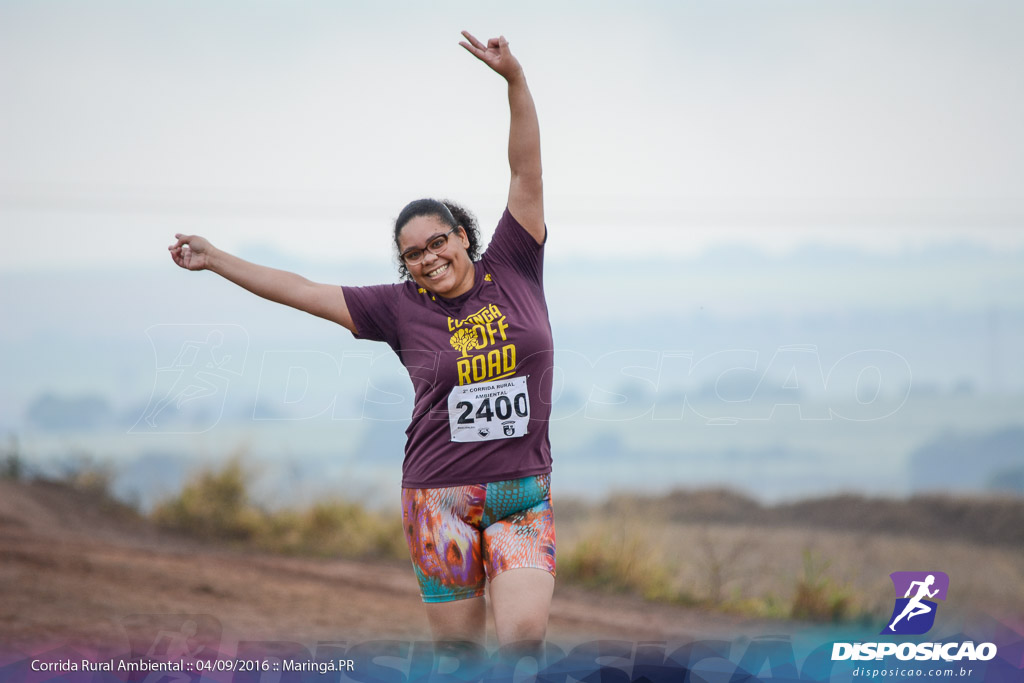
{"type": "Point", "coordinates": [461, 536]}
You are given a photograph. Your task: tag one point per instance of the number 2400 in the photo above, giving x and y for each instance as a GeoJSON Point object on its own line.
{"type": "Point", "coordinates": [503, 407]}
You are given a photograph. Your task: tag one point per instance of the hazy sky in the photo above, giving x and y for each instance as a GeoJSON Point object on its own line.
{"type": "Point", "coordinates": [667, 126]}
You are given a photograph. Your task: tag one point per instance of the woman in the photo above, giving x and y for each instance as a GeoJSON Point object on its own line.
{"type": "Point", "coordinates": [475, 338]}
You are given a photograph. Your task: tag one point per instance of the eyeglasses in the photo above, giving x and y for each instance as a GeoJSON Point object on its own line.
{"type": "Point", "coordinates": [435, 246]}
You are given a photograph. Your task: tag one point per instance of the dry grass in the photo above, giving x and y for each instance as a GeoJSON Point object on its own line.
{"type": "Point", "coordinates": [622, 560]}
{"type": "Point", "coordinates": [727, 553]}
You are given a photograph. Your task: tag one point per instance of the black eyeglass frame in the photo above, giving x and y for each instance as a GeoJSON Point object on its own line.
{"type": "Point", "coordinates": [423, 250]}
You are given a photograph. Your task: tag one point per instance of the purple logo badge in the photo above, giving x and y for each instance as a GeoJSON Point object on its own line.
{"type": "Point", "coordinates": [914, 612]}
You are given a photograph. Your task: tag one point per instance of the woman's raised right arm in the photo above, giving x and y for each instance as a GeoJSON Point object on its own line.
{"type": "Point", "coordinates": [193, 252]}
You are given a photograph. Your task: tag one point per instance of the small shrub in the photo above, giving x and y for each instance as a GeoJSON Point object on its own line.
{"type": "Point", "coordinates": [335, 528]}
{"type": "Point", "coordinates": [84, 473]}
{"type": "Point", "coordinates": [817, 598]}
{"type": "Point", "coordinates": [719, 561]}
{"type": "Point", "coordinates": [214, 504]}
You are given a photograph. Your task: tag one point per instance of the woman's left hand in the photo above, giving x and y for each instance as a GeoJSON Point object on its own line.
{"type": "Point", "coordinates": [494, 54]}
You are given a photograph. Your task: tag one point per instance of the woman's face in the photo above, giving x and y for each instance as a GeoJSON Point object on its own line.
{"type": "Point", "coordinates": [449, 273]}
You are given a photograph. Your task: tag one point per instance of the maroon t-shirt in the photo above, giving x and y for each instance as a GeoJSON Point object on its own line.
{"type": "Point", "coordinates": [480, 364]}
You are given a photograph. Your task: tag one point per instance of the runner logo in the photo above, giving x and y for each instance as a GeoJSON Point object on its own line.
{"type": "Point", "coordinates": [914, 612]}
{"type": "Point", "coordinates": [195, 365]}
{"type": "Point", "coordinates": [912, 615]}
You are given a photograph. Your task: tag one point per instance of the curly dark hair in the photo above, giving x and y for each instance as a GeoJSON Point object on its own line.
{"type": "Point", "coordinates": [446, 211]}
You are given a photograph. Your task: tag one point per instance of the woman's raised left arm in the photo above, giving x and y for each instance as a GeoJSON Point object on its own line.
{"type": "Point", "coordinates": [526, 189]}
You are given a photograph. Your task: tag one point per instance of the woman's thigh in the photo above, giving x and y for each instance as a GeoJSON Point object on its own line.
{"type": "Point", "coordinates": [458, 620]}
{"type": "Point", "coordinates": [521, 600]}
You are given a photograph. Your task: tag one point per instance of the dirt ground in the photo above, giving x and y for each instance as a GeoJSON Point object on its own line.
{"type": "Point", "coordinates": [74, 572]}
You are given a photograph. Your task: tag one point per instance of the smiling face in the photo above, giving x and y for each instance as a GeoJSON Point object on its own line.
{"type": "Point", "coordinates": [449, 273]}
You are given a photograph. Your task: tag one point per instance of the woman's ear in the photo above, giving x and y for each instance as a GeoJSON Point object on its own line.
{"type": "Point", "coordinates": [464, 236]}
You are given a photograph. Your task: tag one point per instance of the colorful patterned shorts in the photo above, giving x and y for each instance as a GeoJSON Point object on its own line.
{"type": "Point", "coordinates": [460, 536]}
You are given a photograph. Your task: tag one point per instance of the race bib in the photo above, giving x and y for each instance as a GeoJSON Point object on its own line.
{"type": "Point", "coordinates": [489, 410]}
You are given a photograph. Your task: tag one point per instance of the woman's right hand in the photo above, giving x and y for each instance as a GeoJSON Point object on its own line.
{"type": "Point", "coordinates": [191, 252]}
